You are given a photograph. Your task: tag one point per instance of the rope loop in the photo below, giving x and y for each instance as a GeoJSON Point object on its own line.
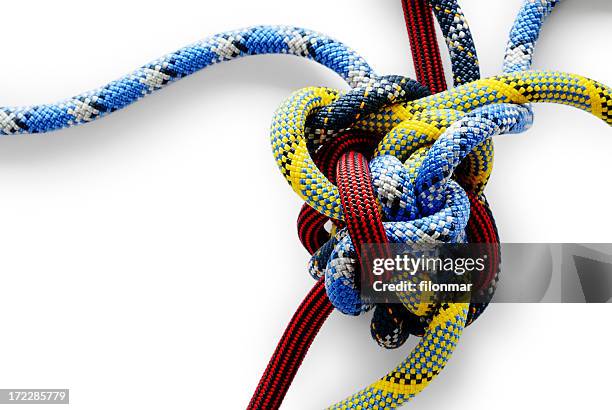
{"type": "Point", "coordinates": [447, 225]}
{"type": "Point", "coordinates": [358, 102]}
{"type": "Point", "coordinates": [419, 201]}
{"type": "Point", "coordinates": [289, 137]}
{"type": "Point", "coordinates": [393, 186]}
{"type": "Point", "coordinates": [436, 149]}
{"type": "Point", "coordinates": [459, 140]}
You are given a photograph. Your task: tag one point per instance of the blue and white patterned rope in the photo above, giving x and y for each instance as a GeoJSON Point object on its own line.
{"type": "Point", "coordinates": [221, 47]}
{"type": "Point", "coordinates": [457, 142]}
{"type": "Point", "coordinates": [226, 46]}
{"type": "Point", "coordinates": [230, 45]}
{"type": "Point", "coordinates": [525, 33]}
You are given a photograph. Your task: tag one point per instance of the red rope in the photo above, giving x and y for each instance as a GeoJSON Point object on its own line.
{"type": "Point", "coordinates": [424, 45]}
{"type": "Point", "coordinates": [316, 307]}
{"type": "Point", "coordinates": [363, 220]}
{"type": "Point", "coordinates": [292, 348]}
{"type": "Point", "coordinates": [361, 213]}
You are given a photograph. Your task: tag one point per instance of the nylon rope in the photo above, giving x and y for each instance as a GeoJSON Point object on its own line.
{"type": "Point", "coordinates": [432, 155]}
{"type": "Point", "coordinates": [465, 118]}
{"type": "Point", "coordinates": [275, 381]}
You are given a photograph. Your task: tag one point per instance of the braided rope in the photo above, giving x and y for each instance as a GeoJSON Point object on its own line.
{"type": "Point", "coordinates": [525, 33]}
{"type": "Point", "coordinates": [460, 139]}
{"type": "Point", "coordinates": [475, 128]}
{"type": "Point", "coordinates": [221, 47]}
{"type": "Point", "coordinates": [424, 45]}
{"type": "Point", "coordinates": [292, 348]}
{"type": "Point", "coordinates": [296, 165]}
{"type": "Point", "coordinates": [433, 170]}
{"type": "Point", "coordinates": [476, 103]}
{"type": "Point", "coordinates": [118, 94]}
{"type": "Point", "coordinates": [458, 39]}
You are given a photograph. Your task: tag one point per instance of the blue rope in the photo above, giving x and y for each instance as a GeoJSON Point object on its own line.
{"type": "Point", "coordinates": [524, 34]}
{"type": "Point", "coordinates": [226, 46]}
{"type": "Point", "coordinates": [459, 40]}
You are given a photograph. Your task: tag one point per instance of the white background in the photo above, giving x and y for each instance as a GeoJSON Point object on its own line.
{"type": "Point", "coordinates": [150, 259]}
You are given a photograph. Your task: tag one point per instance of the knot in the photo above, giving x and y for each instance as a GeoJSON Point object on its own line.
{"type": "Point", "coordinates": [358, 102]}
{"type": "Point", "coordinates": [289, 136]}
{"type": "Point", "coordinates": [363, 221]}
{"type": "Point", "coordinates": [459, 140]}
{"type": "Point", "coordinates": [443, 143]}
{"type": "Point", "coordinates": [420, 201]}
{"type": "Point", "coordinates": [392, 185]}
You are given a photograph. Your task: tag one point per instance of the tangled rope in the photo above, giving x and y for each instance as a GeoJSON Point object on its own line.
{"type": "Point", "coordinates": [393, 323]}
{"type": "Point", "coordinates": [390, 321]}
{"type": "Point", "coordinates": [441, 202]}
{"type": "Point", "coordinates": [289, 140]}
{"type": "Point", "coordinates": [385, 162]}
{"type": "Point", "coordinates": [494, 106]}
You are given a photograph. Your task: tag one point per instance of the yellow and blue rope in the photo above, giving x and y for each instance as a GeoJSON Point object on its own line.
{"type": "Point", "coordinates": [288, 126]}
